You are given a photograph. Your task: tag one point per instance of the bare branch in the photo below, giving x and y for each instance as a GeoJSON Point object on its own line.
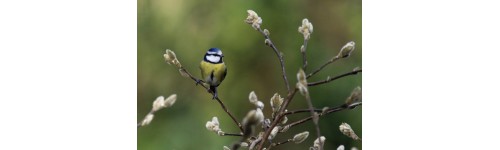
{"type": "Point", "coordinates": [279, 143]}
{"type": "Point", "coordinates": [353, 72]}
{"type": "Point", "coordinates": [196, 80]}
{"type": "Point", "coordinates": [280, 116]}
{"type": "Point", "coordinates": [314, 116]}
{"type": "Point", "coordinates": [302, 84]}
{"type": "Point", "coordinates": [345, 52]}
{"type": "Point", "coordinates": [323, 66]}
{"type": "Point", "coordinates": [232, 134]}
{"type": "Point", "coordinates": [327, 111]}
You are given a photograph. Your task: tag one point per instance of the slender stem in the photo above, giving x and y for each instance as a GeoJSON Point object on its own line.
{"type": "Point", "coordinates": [324, 65]}
{"type": "Point", "coordinates": [229, 113]}
{"type": "Point", "coordinates": [303, 51]}
{"type": "Point", "coordinates": [217, 98]}
{"type": "Point", "coordinates": [279, 143]}
{"type": "Point", "coordinates": [280, 56]}
{"type": "Point", "coordinates": [283, 142]}
{"type": "Point", "coordinates": [302, 111]}
{"type": "Point", "coordinates": [314, 116]}
{"type": "Point", "coordinates": [327, 111]}
{"type": "Point", "coordinates": [353, 72]}
{"type": "Point", "coordinates": [232, 134]}
{"type": "Point", "coordinates": [280, 116]}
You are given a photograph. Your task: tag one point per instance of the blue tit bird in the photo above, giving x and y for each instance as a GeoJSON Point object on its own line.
{"type": "Point", "coordinates": [213, 69]}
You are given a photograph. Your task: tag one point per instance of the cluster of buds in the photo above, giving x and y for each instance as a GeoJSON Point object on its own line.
{"type": "Point", "coordinates": [306, 29]}
{"type": "Point", "coordinates": [161, 102]}
{"type": "Point", "coordinates": [170, 58]}
{"type": "Point", "coordinates": [253, 19]}
{"type": "Point", "coordinates": [302, 84]}
{"type": "Point", "coordinates": [319, 142]}
{"type": "Point", "coordinates": [147, 120]}
{"type": "Point", "coordinates": [347, 130]}
{"type": "Point", "coordinates": [158, 104]}
{"type": "Point", "coordinates": [276, 102]}
{"type": "Point", "coordinates": [301, 137]}
{"type": "Point", "coordinates": [346, 50]}
{"type": "Point", "coordinates": [354, 97]}
{"type": "Point", "coordinates": [214, 126]}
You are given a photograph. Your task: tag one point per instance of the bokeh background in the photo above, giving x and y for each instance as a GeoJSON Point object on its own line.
{"type": "Point", "coordinates": [190, 27]}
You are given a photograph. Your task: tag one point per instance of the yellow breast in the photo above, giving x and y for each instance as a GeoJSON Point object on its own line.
{"type": "Point", "coordinates": [213, 74]}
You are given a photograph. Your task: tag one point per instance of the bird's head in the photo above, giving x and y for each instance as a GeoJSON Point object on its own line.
{"type": "Point", "coordinates": [214, 55]}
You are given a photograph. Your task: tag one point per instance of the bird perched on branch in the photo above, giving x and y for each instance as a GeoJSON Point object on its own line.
{"type": "Point", "coordinates": [213, 69]}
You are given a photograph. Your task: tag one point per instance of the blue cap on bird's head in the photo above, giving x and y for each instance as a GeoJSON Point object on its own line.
{"type": "Point", "coordinates": [215, 51]}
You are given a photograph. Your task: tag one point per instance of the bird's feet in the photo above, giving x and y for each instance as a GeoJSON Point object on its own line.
{"type": "Point", "coordinates": [198, 81]}
{"type": "Point", "coordinates": [215, 96]}
{"type": "Point", "coordinates": [213, 90]}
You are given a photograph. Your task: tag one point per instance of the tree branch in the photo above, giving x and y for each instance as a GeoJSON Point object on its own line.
{"type": "Point", "coordinates": [232, 134]}
{"type": "Point", "coordinates": [314, 116]}
{"type": "Point", "coordinates": [279, 143]}
{"type": "Point", "coordinates": [323, 66]}
{"type": "Point", "coordinates": [353, 72]}
{"type": "Point", "coordinates": [327, 111]}
{"type": "Point", "coordinates": [280, 116]}
{"type": "Point", "coordinates": [217, 98]}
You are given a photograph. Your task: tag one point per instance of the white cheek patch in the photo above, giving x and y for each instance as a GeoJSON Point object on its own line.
{"type": "Point", "coordinates": [213, 59]}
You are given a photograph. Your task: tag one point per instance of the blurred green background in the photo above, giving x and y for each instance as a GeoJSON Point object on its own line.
{"type": "Point", "coordinates": [190, 27]}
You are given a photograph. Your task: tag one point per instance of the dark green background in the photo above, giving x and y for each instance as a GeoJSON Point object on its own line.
{"type": "Point", "coordinates": [190, 27]}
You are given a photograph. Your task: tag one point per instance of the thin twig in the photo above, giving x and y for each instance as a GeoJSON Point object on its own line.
{"type": "Point", "coordinates": [303, 51]}
{"type": "Point", "coordinates": [232, 134]}
{"type": "Point", "coordinates": [302, 111]}
{"type": "Point", "coordinates": [280, 116]}
{"type": "Point", "coordinates": [327, 111]}
{"type": "Point", "coordinates": [315, 118]}
{"type": "Point", "coordinates": [279, 143]}
{"type": "Point", "coordinates": [229, 113]}
{"type": "Point", "coordinates": [280, 56]}
{"type": "Point", "coordinates": [353, 72]}
{"type": "Point", "coordinates": [217, 98]}
{"type": "Point", "coordinates": [324, 65]}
